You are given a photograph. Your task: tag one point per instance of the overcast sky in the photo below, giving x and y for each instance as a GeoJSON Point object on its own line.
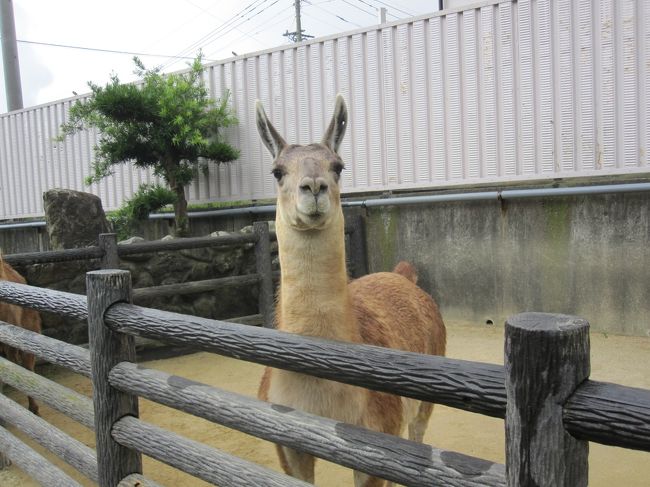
{"type": "Point", "coordinates": [168, 28]}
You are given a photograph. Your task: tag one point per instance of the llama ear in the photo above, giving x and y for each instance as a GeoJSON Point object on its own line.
{"type": "Point", "coordinates": [336, 130]}
{"type": "Point", "coordinates": [271, 138]}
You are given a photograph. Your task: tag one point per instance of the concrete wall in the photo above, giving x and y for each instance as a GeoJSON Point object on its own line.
{"type": "Point", "coordinates": [483, 262]}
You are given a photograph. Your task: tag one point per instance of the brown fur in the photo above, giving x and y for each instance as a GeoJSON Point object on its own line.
{"type": "Point", "coordinates": [407, 270]}
{"type": "Point", "coordinates": [23, 317]}
{"type": "Point", "coordinates": [386, 309]}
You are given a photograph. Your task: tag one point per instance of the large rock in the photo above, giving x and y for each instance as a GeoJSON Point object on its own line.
{"type": "Point", "coordinates": [74, 219]}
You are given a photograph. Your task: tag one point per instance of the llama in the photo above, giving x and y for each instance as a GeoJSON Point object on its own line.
{"type": "Point", "coordinates": [386, 309]}
{"type": "Point", "coordinates": [23, 317]}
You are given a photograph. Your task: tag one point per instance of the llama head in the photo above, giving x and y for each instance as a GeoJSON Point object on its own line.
{"type": "Point", "coordinates": [308, 176]}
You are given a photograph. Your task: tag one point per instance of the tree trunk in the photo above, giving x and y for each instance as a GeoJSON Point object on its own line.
{"type": "Point", "coordinates": [181, 222]}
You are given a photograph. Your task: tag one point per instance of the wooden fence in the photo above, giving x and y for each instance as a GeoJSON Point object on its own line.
{"type": "Point", "coordinates": [109, 253]}
{"type": "Point", "coordinates": [551, 408]}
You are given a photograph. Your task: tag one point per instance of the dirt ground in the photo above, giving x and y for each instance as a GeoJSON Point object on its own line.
{"type": "Point", "coordinates": [624, 360]}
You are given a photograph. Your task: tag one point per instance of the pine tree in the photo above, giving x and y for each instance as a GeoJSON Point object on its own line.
{"type": "Point", "coordinates": [168, 123]}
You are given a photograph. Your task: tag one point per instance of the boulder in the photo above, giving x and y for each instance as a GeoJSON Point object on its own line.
{"type": "Point", "coordinates": [74, 219]}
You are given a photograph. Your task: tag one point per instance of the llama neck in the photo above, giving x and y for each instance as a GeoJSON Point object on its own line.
{"type": "Point", "coordinates": [314, 297]}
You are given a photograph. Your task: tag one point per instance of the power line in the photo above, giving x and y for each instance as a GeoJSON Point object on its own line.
{"type": "Point", "coordinates": [265, 23]}
{"type": "Point", "coordinates": [375, 7]}
{"type": "Point", "coordinates": [335, 15]}
{"type": "Point", "coordinates": [207, 11]}
{"type": "Point", "coordinates": [359, 8]}
{"type": "Point", "coordinates": [178, 27]}
{"type": "Point", "coordinates": [198, 42]}
{"type": "Point", "coordinates": [321, 20]}
{"type": "Point", "coordinates": [210, 36]}
{"type": "Point", "coordinates": [96, 49]}
{"type": "Point", "coordinates": [243, 21]}
{"type": "Point", "coordinates": [246, 20]}
{"type": "Point", "coordinates": [395, 8]}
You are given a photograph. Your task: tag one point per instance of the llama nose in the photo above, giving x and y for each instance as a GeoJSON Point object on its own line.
{"type": "Point", "coordinates": [313, 185]}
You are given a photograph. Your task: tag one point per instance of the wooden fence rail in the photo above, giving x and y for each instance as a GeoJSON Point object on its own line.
{"type": "Point", "coordinates": [109, 253]}
{"type": "Point", "coordinates": [598, 411]}
{"type": "Point", "coordinates": [206, 463]}
{"type": "Point", "coordinates": [66, 401]}
{"type": "Point", "coordinates": [71, 450]}
{"type": "Point", "coordinates": [538, 448]}
{"type": "Point", "coordinates": [53, 351]}
{"type": "Point", "coordinates": [548, 420]}
{"type": "Point", "coordinates": [331, 440]}
{"type": "Point", "coordinates": [32, 463]}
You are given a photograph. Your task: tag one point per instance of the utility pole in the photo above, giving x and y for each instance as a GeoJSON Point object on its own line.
{"type": "Point", "coordinates": [298, 35]}
{"type": "Point", "coordinates": [298, 24]}
{"type": "Point", "coordinates": [10, 56]}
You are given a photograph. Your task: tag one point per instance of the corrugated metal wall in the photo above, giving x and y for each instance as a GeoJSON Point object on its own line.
{"type": "Point", "coordinates": [506, 91]}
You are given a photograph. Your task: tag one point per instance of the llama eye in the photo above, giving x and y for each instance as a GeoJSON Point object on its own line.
{"type": "Point", "coordinates": [277, 174]}
{"type": "Point", "coordinates": [337, 168]}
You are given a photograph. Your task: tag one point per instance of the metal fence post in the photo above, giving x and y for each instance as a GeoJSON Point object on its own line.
{"type": "Point", "coordinates": [107, 349]}
{"type": "Point", "coordinates": [546, 359]}
{"type": "Point", "coordinates": [263, 266]}
{"type": "Point", "coordinates": [108, 243]}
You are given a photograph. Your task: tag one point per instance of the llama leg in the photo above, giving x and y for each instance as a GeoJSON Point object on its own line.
{"type": "Point", "coordinates": [297, 464]}
{"type": "Point", "coordinates": [418, 426]}
{"type": "Point", "coordinates": [29, 361]}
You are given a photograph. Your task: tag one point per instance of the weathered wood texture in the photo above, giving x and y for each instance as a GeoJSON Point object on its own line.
{"type": "Point", "coordinates": [480, 386]}
{"type": "Point", "coordinates": [606, 413]}
{"type": "Point", "coordinates": [66, 255]}
{"type": "Point", "coordinates": [137, 480]}
{"type": "Point", "coordinates": [184, 243]}
{"type": "Point", "coordinates": [107, 349]}
{"type": "Point", "coordinates": [63, 304]}
{"type": "Point", "coordinates": [265, 273]}
{"type": "Point", "coordinates": [467, 385]}
{"type": "Point", "coordinates": [546, 358]}
{"type": "Point", "coordinates": [254, 320]}
{"type": "Point", "coordinates": [396, 459]}
{"type": "Point", "coordinates": [194, 287]}
{"type": "Point", "coordinates": [32, 463]}
{"type": "Point", "coordinates": [470, 386]}
{"type": "Point", "coordinates": [64, 400]}
{"type": "Point", "coordinates": [195, 458]}
{"type": "Point", "coordinates": [108, 244]}
{"type": "Point", "coordinates": [64, 446]}
{"type": "Point", "coordinates": [54, 351]}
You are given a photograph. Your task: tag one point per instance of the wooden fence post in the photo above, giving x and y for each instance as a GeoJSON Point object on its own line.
{"type": "Point", "coordinates": [546, 358]}
{"type": "Point", "coordinates": [108, 243]}
{"type": "Point", "coordinates": [263, 266]}
{"type": "Point", "coordinates": [107, 349]}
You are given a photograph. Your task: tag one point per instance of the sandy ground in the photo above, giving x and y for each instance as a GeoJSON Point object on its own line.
{"type": "Point", "coordinates": [623, 360]}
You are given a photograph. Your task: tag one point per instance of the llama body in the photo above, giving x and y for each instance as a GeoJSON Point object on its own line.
{"type": "Point", "coordinates": [386, 309]}
{"type": "Point", "coordinates": [23, 317]}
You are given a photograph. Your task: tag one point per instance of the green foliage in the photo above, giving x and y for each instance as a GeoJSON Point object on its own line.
{"type": "Point", "coordinates": [148, 199]}
{"type": "Point", "coordinates": [167, 122]}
